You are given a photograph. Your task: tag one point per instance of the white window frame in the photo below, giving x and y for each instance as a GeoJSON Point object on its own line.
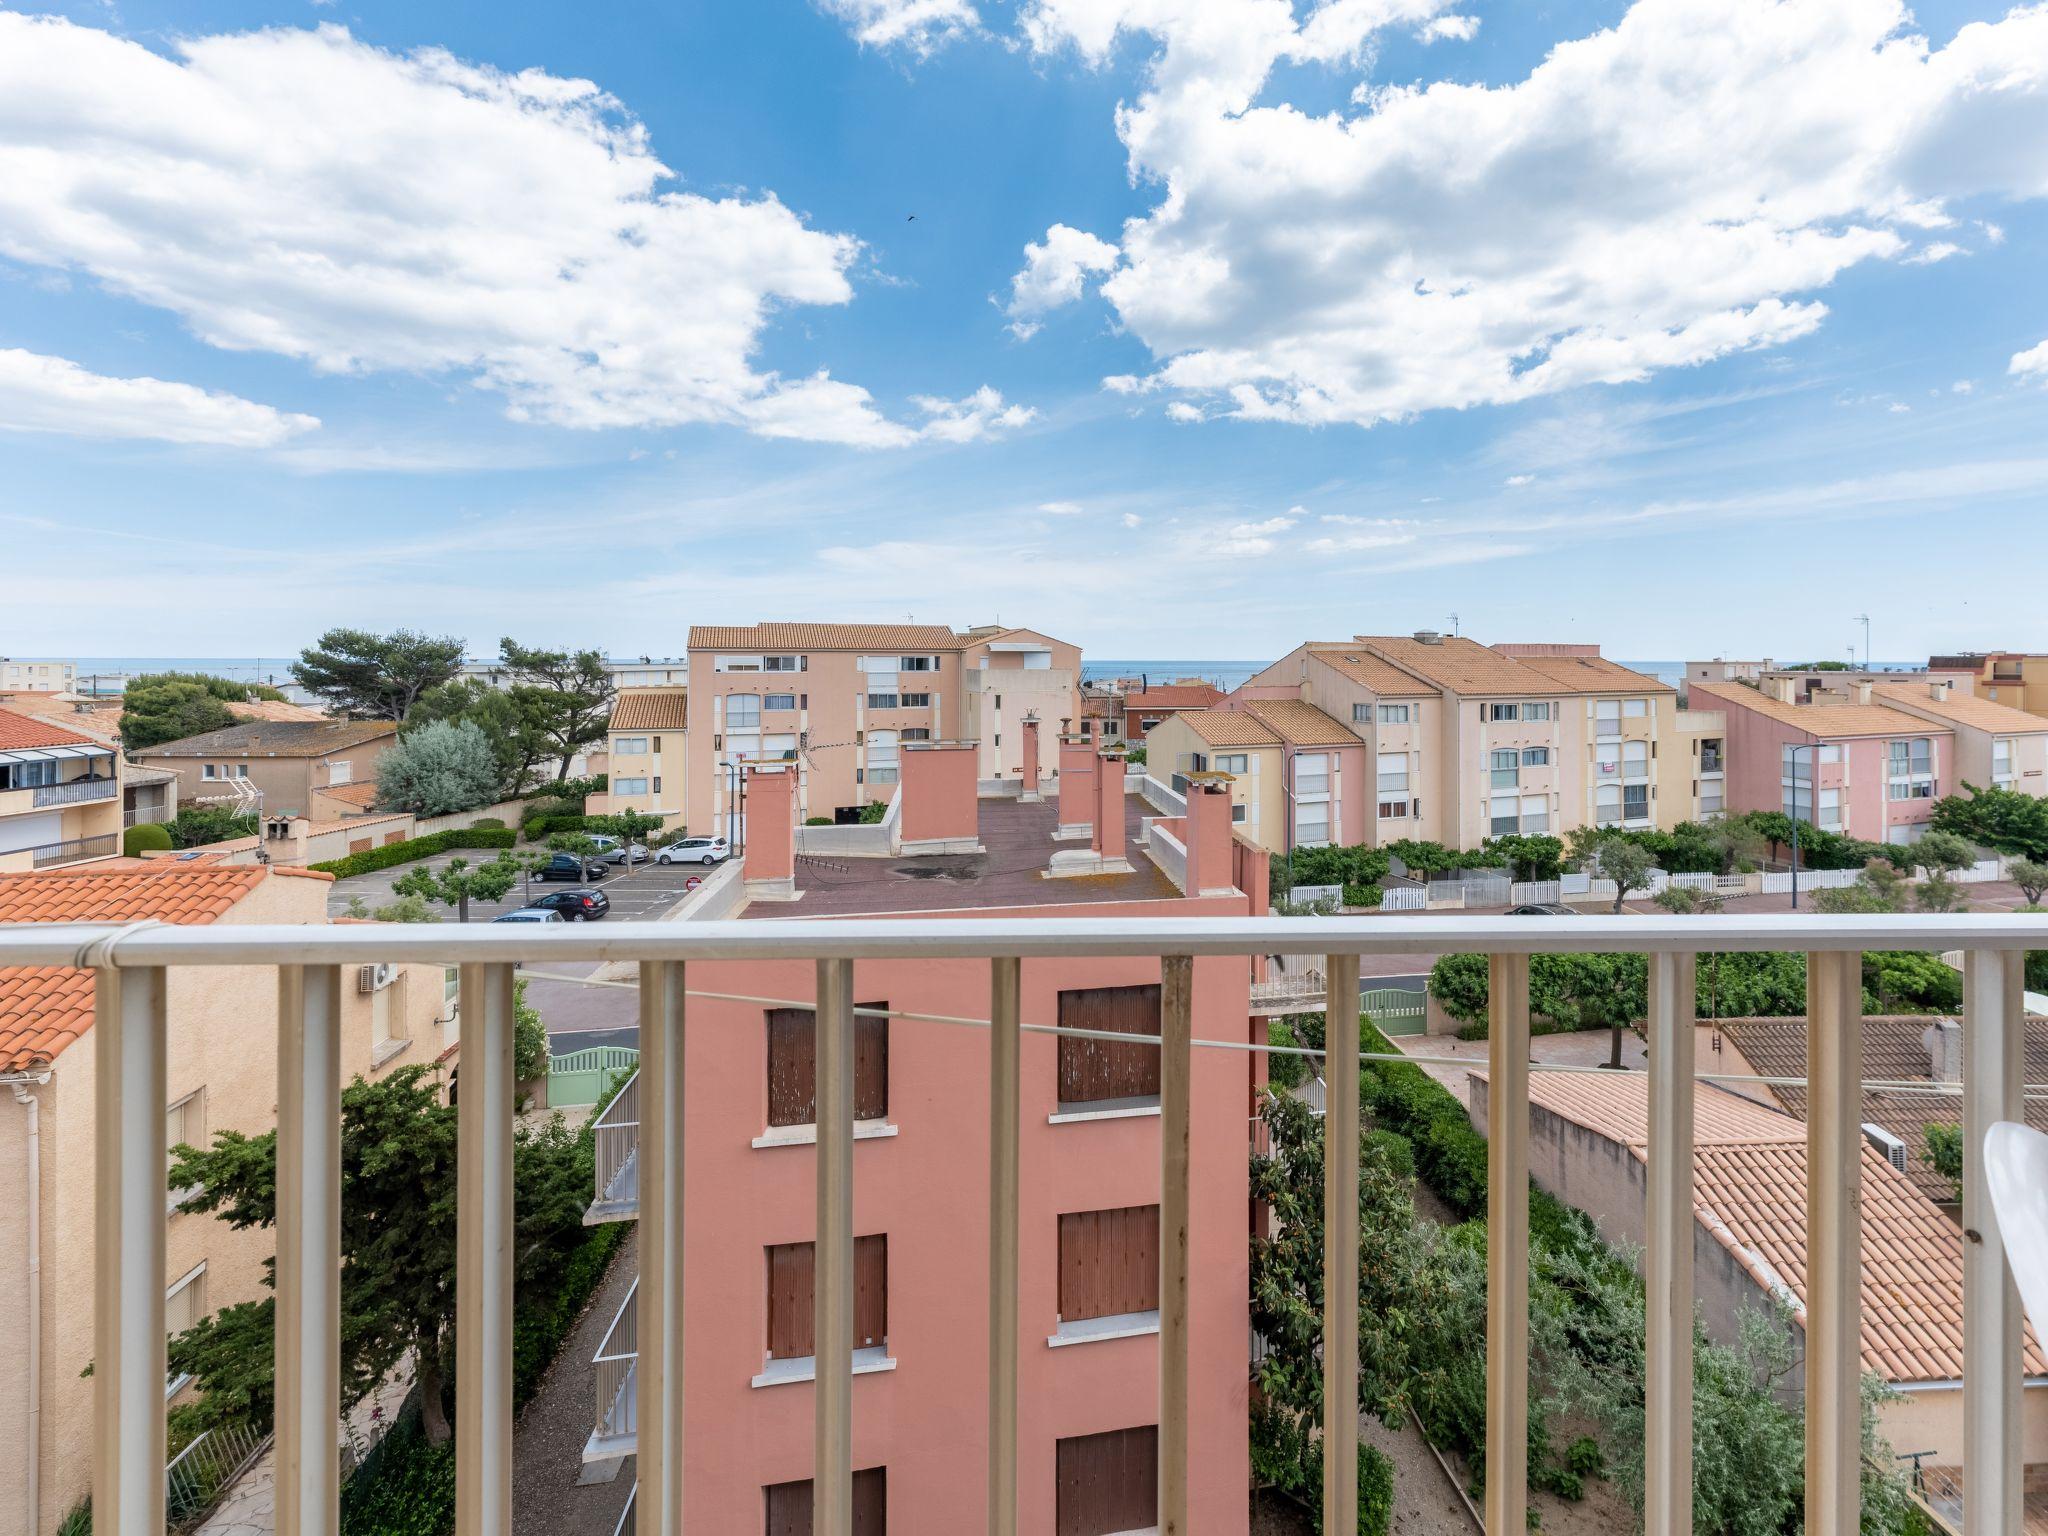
{"type": "Point", "coordinates": [1392, 770]}
{"type": "Point", "coordinates": [1238, 763]}
{"type": "Point", "coordinates": [1396, 714]}
{"type": "Point", "coordinates": [749, 719]}
{"type": "Point", "coordinates": [1512, 767]}
{"type": "Point", "coordinates": [636, 785]}
{"type": "Point", "coordinates": [1395, 809]}
{"type": "Point", "coordinates": [630, 746]}
{"type": "Point", "coordinates": [1535, 709]}
{"type": "Point", "coordinates": [1502, 712]}
{"type": "Point", "coordinates": [196, 1275]}
{"type": "Point", "coordinates": [1535, 757]}
{"type": "Point", "coordinates": [1504, 824]}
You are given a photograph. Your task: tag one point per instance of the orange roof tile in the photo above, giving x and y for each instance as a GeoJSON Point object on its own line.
{"type": "Point", "coordinates": [19, 730]}
{"type": "Point", "coordinates": [650, 709]}
{"type": "Point", "coordinates": [1301, 724]}
{"type": "Point", "coordinates": [44, 1008]}
{"type": "Point", "coordinates": [362, 793]}
{"type": "Point", "coordinates": [1464, 666]}
{"type": "Point", "coordinates": [1826, 721]}
{"type": "Point", "coordinates": [273, 709]}
{"type": "Point", "coordinates": [1361, 666]}
{"type": "Point", "coordinates": [1173, 696]}
{"type": "Point", "coordinates": [1594, 674]}
{"type": "Point", "coordinates": [914, 638]}
{"type": "Point", "coordinates": [1228, 727]}
{"type": "Point", "coordinates": [1963, 709]}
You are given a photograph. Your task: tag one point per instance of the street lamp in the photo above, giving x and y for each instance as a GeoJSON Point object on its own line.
{"type": "Point", "coordinates": [1812, 803]}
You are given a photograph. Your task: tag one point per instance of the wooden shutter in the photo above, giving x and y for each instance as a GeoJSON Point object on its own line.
{"type": "Point", "coordinates": [1109, 1262]}
{"type": "Point", "coordinates": [791, 1288]}
{"type": "Point", "coordinates": [793, 1066]}
{"type": "Point", "coordinates": [1107, 1482]}
{"type": "Point", "coordinates": [1102, 1069]}
{"type": "Point", "coordinates": [789, 1505]}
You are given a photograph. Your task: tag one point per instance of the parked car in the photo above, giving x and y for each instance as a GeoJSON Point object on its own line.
{"type": "Point", "coordinates": [694, 850]}
{"type": "Point", "coordinates": [612, 851]}
{"type": "Point", "coordinates": [573, 906]}
{"type": "Point", "coordinates": [1543, 909]}
{"type": "Point", "coordinates": [570, 866]}
{"type": "Point", "coordinates": [535, 914]}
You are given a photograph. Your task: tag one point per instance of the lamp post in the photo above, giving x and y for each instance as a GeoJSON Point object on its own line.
{"type": "Point", "coordinates": [1812, 801]}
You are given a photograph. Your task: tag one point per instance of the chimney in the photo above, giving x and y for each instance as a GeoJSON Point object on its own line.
{"type": "Point", "coordinates": [770, 860]}
{"type": "Point", "coordinates": [1861, 690]}
{"type": "Point", "coordinates": [1077, 788]}
{"type": "Point", "coordinates": [941, 807]}
{"type": "Point", "coordinates": [1429, 637]}
{"type": "Point", "coordinates": [1785, 690]}
{"type": "Point", "coordinates": [1944, 1042]}
{"type": "Point", "coordinates": [1208, 834]}
{"type": "Point", "coordinates": [1939, 688]}
{"type": "Point", "coordinates": [1029, 793]}
{"type": "Point", "coordinates": [1106, 831]}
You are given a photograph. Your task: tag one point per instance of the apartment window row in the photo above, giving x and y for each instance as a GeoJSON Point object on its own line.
{"type": "Point", "coordinates": [1525, 709]}
{"type": "Point", "coordinates": [1909, 769]}
{"type": "Point", "coordinates": [1627, 760]}
{"type": "Point", "coordinates": [637, 786]}
{"type": "Point", "coordinates": [241, 771]}
{"type": "Point", "coordinates": [1798, 760]}
{"type": "Point", "coordinates": [1386, 714]}
{"type": "Point", "coordinates": [1621, 805]}
{"type": "Point", "coordinates": [899, 663]}
{"type": "Point", "coordinates": [1617, 710]}
{"type": "Point", "coordinates": [1509, 814]}
{"type": "Point", "coordinates": [760, 663]}
{"type": "Point", "coordinates": [45, 771]}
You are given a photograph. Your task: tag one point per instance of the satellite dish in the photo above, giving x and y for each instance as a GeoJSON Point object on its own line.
{"type": "Point", "coordinates": [2016, 1172]}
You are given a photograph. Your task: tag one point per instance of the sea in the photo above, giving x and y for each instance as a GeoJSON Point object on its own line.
{"type": "Point", "coordinates": [1228, 674]}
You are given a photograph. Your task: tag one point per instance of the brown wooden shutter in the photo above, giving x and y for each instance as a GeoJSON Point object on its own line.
{"type": "Point", "coordinates": [1091, 1070]}
{"type": "Point", "coordinates": [1109, 1262]}
{"type": "Point", "coordinates": [1107, 1482]}
{"type": "Point", "coordinates": [793, 1066]}
{"type": "Point", "coordinates": [789, 1505]}
{"type": "Point", "coordinates": [359, 845]}
{"type": "Point", "coordinates": [791, 1284]}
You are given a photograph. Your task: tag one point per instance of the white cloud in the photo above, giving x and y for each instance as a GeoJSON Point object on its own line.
{"type": "Point", "coordinates": [1962, 387]}
{"type": "Point", "coordinates": [1460, 244]}
{"type": "Point", "coordinates": [1055, 272]}
{"type": "Point", "coordinates": [1132, 520]}
{"type": "Point", "coordinates": [1928, 255]}
{"type": "Point", "coordinates": [918, 25]}
{"type": "Point", "coordinates": [1898, 408]}
{"type": "Point", "coordinates": [1353, 543]}
{"type": "Point", "coordinates": [1269, 525]}
{"type": "Point", "coordinates": [54, 394]}
{"type": "Point", "coordinates": [1458, 29]}
{"type": "Point", "coordinates": [981, 414]}
{"type": "Point", "coordinates": [1518, 479]}
{"type": "Point", "coordinates": [302, 193]}
{"type": "Point", "coordinates": [2030, 364]}
{"type": "Point", "coordinates": [1061, 508]}
{"type": "Point", "coordinates": [1182, 411]}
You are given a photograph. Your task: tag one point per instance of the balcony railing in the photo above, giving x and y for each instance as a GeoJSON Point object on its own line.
{"type": "Point", "coordinates": [617, 1421]}
{"type": "Point", "coordinates": [617, 1134]}
{"type": "Point", "coordinates": [77, 792]}
{"type": "Point", "coordinates": [50, 855]}
{"type": "Point", "coordinates": [129, 1045]}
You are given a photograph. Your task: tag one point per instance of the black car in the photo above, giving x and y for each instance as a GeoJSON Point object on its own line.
{"type": "Point", "coordinates": [576, 906]}
{"type": "Point", "coordinates": [1543, 909]}
{"type": "Point", "coordinates": [567, 866]}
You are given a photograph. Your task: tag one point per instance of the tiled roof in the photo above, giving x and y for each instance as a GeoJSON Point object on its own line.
{"type": "Point", "coordinates": [913, 638]}
{"type": "Point", "coordinates": [1749, 1193]}
{"type": "Point", "coordinates": [362, 793]}
{"type": "Point", "coordinates": [43, 1008]}
{"type": "Point", "coordinates": [1173, 696]}
{"type": "Point", "coordinates": [1301, 724]}
{"type": "Point", "coordinates": [649, 709]}
{"type": "Point", "coordinates": [1464, 666]}
{"type": "Point", "coordinates": [1228, 728]}
{"type": "Point", "coordinates": [1361, 666]}
{"type": "Point", "coordinates": [1964, 709]}
{"type": "Point", "coordinates": [268, 738]}
{"type": "Point", "coordinates": [273, 709]}
{"type": "Point", "coordinates": [1826, 721]}
{"type": "Point", "coordinates": [1100, 706]}
{"type": "Point", "coordinates": [20, 730]}
{"type": "Point", "coordinates": [1594, 674]}
{"type": "Point", "coordinates": [1893, 1052]}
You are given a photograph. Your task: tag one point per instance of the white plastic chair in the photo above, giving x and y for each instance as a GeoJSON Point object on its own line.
{"type": "Point", "coordinates": [2016, 1172]}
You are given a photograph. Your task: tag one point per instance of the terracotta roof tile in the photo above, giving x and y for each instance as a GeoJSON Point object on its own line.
{"type": "Point", "coordinates": [1464, 666]}
{"type": "Point", "coordinates": [1228, 728]}
{"type": "Point", "coordinates": [1823, 720]}
{"type": "Point", "coordinates": [20, 730]}
{"type": "Point", "coordinates": [650, 709]}
{"type": "Point", "coordinates": [43, 1008]}
{"type": "Point", "coordinates": [275, 738]}
{"type": "Point", "coordinates": [362, 793]}
{"type": "Point", "coordinates": [273, 709]}
{"type": "Point", "coordinates": [913, 638]}
{"type": "Point", "coordinates": [1376, 673]}
{"type": "Point", "coordinates": [1594, 674]}
{"type": "Point", "coordinates": [1300, 724]}
{"type": "Point", "coordinates": [1964, 709]}
{"type": "Point", "coordinates": [1173, 696]}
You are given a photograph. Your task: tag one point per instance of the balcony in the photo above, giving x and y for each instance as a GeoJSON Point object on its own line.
{"type": "Point", "coordinates": [129, 1045]}
{"type": "Point", "coordinates": [617, 1130]}
{"type": "Point", "coordinates": [54, 855]}
{"type": "Point", "coordinates": [76, 792]}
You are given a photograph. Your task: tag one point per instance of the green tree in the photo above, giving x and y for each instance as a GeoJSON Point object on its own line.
{"type": "Point", "coordinates": [197, 825]}
{"type": "Point", "coordinates": [1945, 1152]}
{"type": "Point", "coordinates": [1944, 851]}
{"type": "Point", "coordinates": [518, 743]}
{"type": "Point", "coordinates": [1879, 888]}
{"type": "Point", "coordinates": [1626, 862]}
{"type": "Point", "coordinates": [376, 677]}
{"type": "Point", "coordinates": [458, 882]}
{"type": "Point", "coordinates": [568, 695]}
{"type": "Point", "coordinates": [437, 770]}
{"type": "Point", "coordinates": [168, 706]}
{"type": "Point", "coordinates": [529, 1038]}
{"type": "Point", "coordinates": [407, 909]}
{"type": "Point", "coordinates": [1422, 858]}
{"type": "Point", "coordinates": [629, 827]}
{"type": "Point", "coordinates": [575, 842]}
{"type": "Point", "coordinates": [1686, 900]}
{"type": "Point", "coordinates": [1531, 856]}
{"type": "Point", "coordinates": [2003, 819]}
{"type": "Point", "coordinates": [2030, 877]}
{"type": "Point", "coordinates": [529, 862]}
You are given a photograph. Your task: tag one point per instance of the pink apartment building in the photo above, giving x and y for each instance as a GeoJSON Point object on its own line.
{"type": "Point", "coordinates": [1843, 763]}
{"type": "Point", "coordinates": [1089, 1230]}
{"type": "Point", "coordinates": [842, 700]}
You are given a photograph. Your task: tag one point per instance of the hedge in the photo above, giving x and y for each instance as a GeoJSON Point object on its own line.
{"type": "Point", "coordinates": [539, 829]}
{"type": "Point", "coordinates": [149, 836]}
{"type": "Point", "coordinates": [389, 854]}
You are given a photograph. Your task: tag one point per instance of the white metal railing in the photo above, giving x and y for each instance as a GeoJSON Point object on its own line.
{"type": "Point", "coordinates": [617, 1134]}
{"type": "Point", "coordinates": [76, 792]}
{"type": "Point", "coordinates": [50, 855]}
{"type": "Point", "coordinates": [616, 1420]}
{"type": "Point", "coordinates": [200, 1474]}
{"type": "Point", "coordinates": [129, 1042]}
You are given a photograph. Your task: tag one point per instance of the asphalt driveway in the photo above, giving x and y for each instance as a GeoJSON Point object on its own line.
{"type": "Point", "coordinates": [649, 891]}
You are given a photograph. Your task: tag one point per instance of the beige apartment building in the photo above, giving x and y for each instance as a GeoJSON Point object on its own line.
{"type": "Point", "coordinates": [221, 1075]}
{"type": "Point", "coordinates": [286, 761]}
{"type": "Point", "coordinates": [1297, 777]}
{"type": "Point", "coordinates": [646, 754]}
{"type": "Point", "coordinates": [842, 700]}
{"type": "Point", "coordinates": [1996, 746]}
{"type": "Point", "coordinates": [37, 676]}
{"type": "Point", "coordinates": [1469, 741]}
{"type": "Point", "coordinates": [61, 795]}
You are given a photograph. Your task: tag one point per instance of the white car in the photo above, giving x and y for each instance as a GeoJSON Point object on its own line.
{"type": "Point", "coordinates": [693, 850]}
{"type": "Point", "coordinates": [613, 851]}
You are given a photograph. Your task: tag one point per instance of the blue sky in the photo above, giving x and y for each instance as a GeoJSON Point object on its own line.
{"type": "Point", "coordinates": [1692, 327]}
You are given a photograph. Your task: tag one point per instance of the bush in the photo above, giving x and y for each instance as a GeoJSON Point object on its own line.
{"type": "Point", "coordinates": [405, 1487]}
{"type": "Point", "coordinates": [149, 837]}
{"type": "Point", "coordinates": [1398, 1151]}
{"type": "Point", "coordinates": [872, 813]}
{"type": "Point", "coordinates": [391, 854]}
{"type": "Point", "coordinates": [487, 824]}
{"type": "Point", "coordinates": [817, 821]}
{"type": "Point", "coordinates": [1284, 1072]}
{"type": "Point", "coordinates": [1375, 1492]}
{"type": "Point", "coordinates": [197, 825]}
{"type": "Point", "coordinates": [539, 829]}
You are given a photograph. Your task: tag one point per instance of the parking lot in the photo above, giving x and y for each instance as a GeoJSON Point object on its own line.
{"type": "Point", "coordinates": [649, 891]}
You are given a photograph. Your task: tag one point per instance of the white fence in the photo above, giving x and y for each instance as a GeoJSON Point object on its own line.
{"type": "Point", "coordinates": [1161, 797]}
{"type": "Point", "coordinates": [1169, 854]}
{"type": "Point", "coordinates": [1403, 898]}
{"type": "Point", "coordinates": [1535, 890]}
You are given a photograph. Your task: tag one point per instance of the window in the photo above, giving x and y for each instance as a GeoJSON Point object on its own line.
{"type": "Point", "coordinates": [743, 712]}
{"type": "Point", "coordinates": [1312, 773]}
{"type": "Point", "coordinates": [791, 1268]}
{"type": "Point", "coordinates": [657, 746]}
{"type": "Point", "coordinates": [43, 771]}
{"type": "Point", "coordinates": [1237, 813]}
{"type": "Point", "coordinates": [1535, 814]}
{"type": "Point", "coordinates": [206, 770]}
{"type": "Point", "coordinates": [1504, 712]}
{"type": "Point", "coordinates": [629, 786]}
{"type": "Point", "coordinates": [1109, 1263]}
{"type": "Point", "coordinates": [1830, 809]}
{"type": "Point", "coordinates": [1634, 709]}
{"type": "Point", "coordinates": [881, 751]}
{"type": "Point", "coordinates": [778, 748]}
{"type": "Point", "coordinates": [782, 663]}
{"type": "Point", "coordinates": [1099, 1072]}
{"type": "Point", "coordinates": [1506, 768]}
{"type": "Point", "coordinates": [1396, 714]}
{"type": "Point", "coordinates": [1239, 763]}
{"type": "Point", "coordinates": [630, 746]}
{"type": "Point", "coordinates": [793, 1065]}
{"type": "Point", "coordinates": [1311, 823]}
{"type": "Point", "coordinates": [1393, 810]}
{"type": "Point", "coordinates": [736, 664]}
{"type": "Point", "coordinates": [1635, 759]}
{"type": "Point", "coordinates": [340, 773]}
{"type": "Point", "coordinates": [1606, 717]}
{"type": "Point", "coordinates": [657, 783]}
{"type": "Point", "coordinates": [883, 701]}
{"type": "Point", "coordinates": [1910, 768]}
{"type": "Point", "coordinates": [1506, 815]}
{"type": "Point", "coordinates": [1710, 755]}
{"type": "Point", "coordinates": [184, 1306]}
{"type": "Point", "coordinates": [916, 700]}
{"type": "Point", "coordinates": [185, 1126]}
{"type": "Point", "coordinates": [241, 770]}
{"type": "Point", "coordinates": [789, 1505]}
{"type": "Point", "coordinates": [1635, 802]}
{"type": "Point", "coordinates": [1712, 801]}
{"type": "Point", "coordinates": [916, 733]}
{"type": "Point", "coordinates": [778, 701]}
{"type": "Point", "coordinates": [1361, 714]}
{"type": "Point", "coordinates": [1393, 772]}
{"type": "Point", "coordinates": [387, 1019]}
{"type": "Point", "coordinates": [1107, 1483]}
{"type": "Point", "coordinates": [918, 664]}
{"type": "Point", "coordinates": [1535, 757]}
{"type": "Point", "coordinates": [1538, 709]}
{"type": "Point", "coordinates": [2001, 760]}
{"type": "Point", "coordinates": [1607, 806]}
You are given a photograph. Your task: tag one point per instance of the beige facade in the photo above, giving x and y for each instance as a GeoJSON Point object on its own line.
{"type": "Point", "coordinates": [61, 795]}
{"type": "Point", "coordinates": [37, 676]}
{"type": "Point", "coordinates": [1996, 746]}
{"type": "Point", "coordinates": [646, 756]}
{"type": "Point", "coordinates": [221, 1075]}
{"type": "Point", "coordinates": [286, 762]}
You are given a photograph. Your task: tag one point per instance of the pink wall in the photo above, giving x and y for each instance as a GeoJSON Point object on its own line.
{"type": "Point", "coordinates": [771, 824]}
{"type": "Point", "coordinates": [938, 791]}
{"type": "Point", "coordinates": [1755, 758]}
{"type": "Point", "coordinates": [1029, 763]}
{"type": "Point", "coordinates": [1207, 834]}
{"type": "Point", "coordinates": [1107, 837]}
{"type": "Point", "coordinates": [926, 1188]}
{"type": "Point", "coordinates": [1077, 781]}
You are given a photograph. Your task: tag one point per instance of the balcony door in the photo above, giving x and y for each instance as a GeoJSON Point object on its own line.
{"type": "Point", "coordinates": [1108, 1483]}
{"type": "Point", "coordinates": [789, 1505]}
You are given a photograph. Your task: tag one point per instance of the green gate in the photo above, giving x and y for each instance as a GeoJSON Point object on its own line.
{"type": "Point", "coordinates": [1395, 1010]}
{"type": "Point", "coordinates": [580, 1076]}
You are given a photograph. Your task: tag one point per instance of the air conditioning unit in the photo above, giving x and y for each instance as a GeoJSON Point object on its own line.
{"type": "Point", "coordinates": [1894, 1150]}
{"type": "Point", "coordinates": [375, 978]}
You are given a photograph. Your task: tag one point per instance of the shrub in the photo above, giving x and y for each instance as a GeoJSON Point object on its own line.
{"type": "Point", "coordinates": [1398, 1151]}
{"type": "Point", "coordinates": [1284, 1072]}
{"type": "Point", "coordinates": [487, 824]}
{"type": "Point", "coordinates": [197, 825]}
{"type": "Point", "coordinates": [438, 769]}
{"type": "Point", "coordinates": [149, 837]}
{"type": "Point", "coordinates": [1375, 1492]}
{"type": "Point", "coordinates": [390, 854]}
{"type": "Point", "coordinates": [539, 829]}
{"type": "Point", "coordinates": [817, 821]}
{"type": "Point", "coordinates": [872, 813]}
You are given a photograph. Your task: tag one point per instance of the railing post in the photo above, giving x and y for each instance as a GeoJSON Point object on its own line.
{"type": "Point", "coordinates": [832, 1295]}
{"type": "Point", "coordinates": [1994, 1468]}
{"type": "Point", "coordinates": [308, 1247]}
{"type": "Point", "coordinates": [1667, 1418]}
{"type": "Point", "coordinates": [658, 1378]}
{"type": "Point", "coordinates": [1005, 1013]}
{"type": "Point", "coordinates": [1507, 1246]}
{"type": "Point", "coordinates": [1176, 1085]}
{"type": "Point", "coordinates": [128, 1233]}
{"type": "Point", "coordinates": [1834, 1243]}
{"type": "Point", "coordinates": [483, 1255]}
{"type": "Point", "coordinates": [1340, 1245]}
